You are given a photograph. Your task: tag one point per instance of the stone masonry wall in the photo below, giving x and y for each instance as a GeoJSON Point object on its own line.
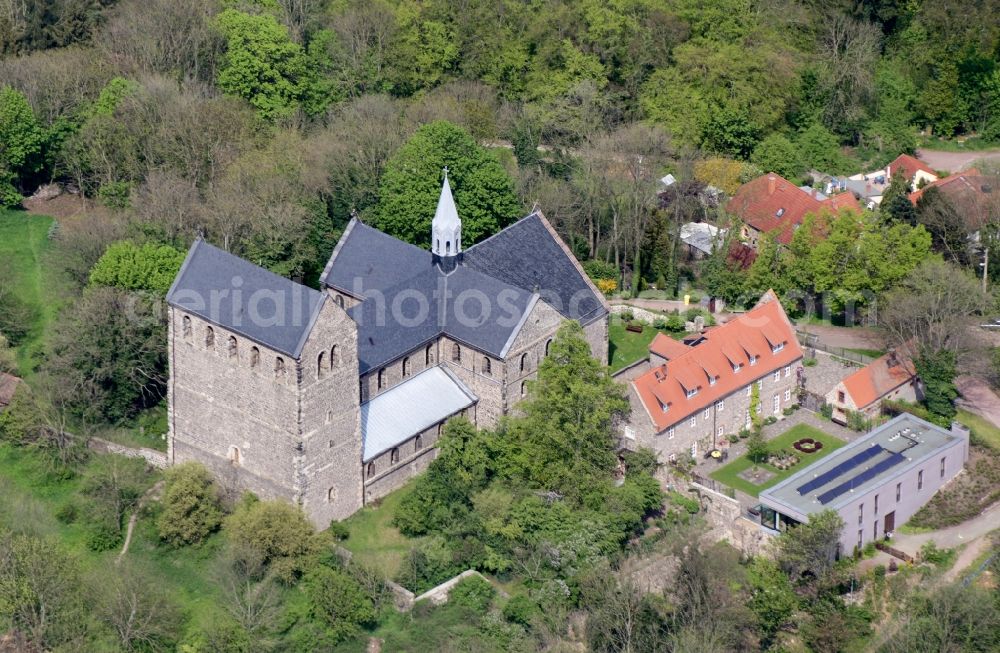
{"type": "Point", "coordinates": [329, 473]}
{"type": "Point", "coordinates": [527, 351]}
{"type": "Point", "coordinates": [238, 419]}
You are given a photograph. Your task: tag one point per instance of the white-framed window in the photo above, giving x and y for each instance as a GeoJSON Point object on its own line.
{"type": "Point", "coordinates": [672, 458]}
{"type": "Point", "coordinates": [788, 371]}
{"type": "Point", "coordinates": [748, 421]}
{"type": "Point", "coordinates": [708, 413]}
{"type": "Point", "coordinates": [749, 390]}
{"type": "Point", "coordinates": [753, 360]}
{"type": "Point", "coordinates": [777, 403]}
{"type": "Point", "coordinates": [718, 431]}
{"type": "Point", "coordinates": [737, 367]}
{"type": "Point", "coordinates": [694, 450]}
{"type": "Point", "coordinates": [778, 347]}
{"type": "Point", "coordinates": [760, 384]}
{"type": "Point", "coordinates": [758, 407]}
{"type": "Point", "coordinates": [694, 421]}
{"type": "Point", "coordinates": [670, 433]}
{"type": "Point", "coordinates": [720, 405]}
{"type": "Point", "coordinates": [788, 395]}
{"type": "Point", "coordinates": [777, 375]}
{"type": "Point", "coordinates": [691, 393]}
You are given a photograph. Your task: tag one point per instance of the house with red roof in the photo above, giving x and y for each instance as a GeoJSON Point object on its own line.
{"type": "Point", "coordinates": [975, 196]}
{"type": "Point", "coordinates": [892, 376]}
{"type": "Point", "coordinates": [912, 169]}
{"type": "Point", "coordinates": [772, 204]}
{"type": "Point", "coordinates": [698, 392]}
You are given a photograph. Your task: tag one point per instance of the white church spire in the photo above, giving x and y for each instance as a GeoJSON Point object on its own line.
{"type": "Point", "coordinates": [446, 229]}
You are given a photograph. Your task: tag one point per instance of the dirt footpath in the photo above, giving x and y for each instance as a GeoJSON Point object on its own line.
{"type": "Point", "coordinates": [955, 161]}
{"type": "Point", "coordinates": [979, 398]}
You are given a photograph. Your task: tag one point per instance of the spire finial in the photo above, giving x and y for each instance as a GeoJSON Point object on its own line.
{"type": "Point", "coordinates": [445, 173]}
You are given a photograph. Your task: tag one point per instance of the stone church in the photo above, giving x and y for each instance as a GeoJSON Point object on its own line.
{"type": "Point", "coordinates": [332, 398]}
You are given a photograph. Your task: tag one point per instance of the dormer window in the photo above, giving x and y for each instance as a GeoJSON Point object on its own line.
{"type": "Point", "coordinates": [691, 393]}
{"type": "Point", "coordinates": [753, 359]}
{"type": "Point", "coordinates": [663, 407]}
{"type": "Point", "coordinates": [778, 347]}
{"type": "Point", "coordinates": [712, 380]}
{"type": "Point", "coordinates": [737, 367]}
{"type": "Point", "coordinates": [780, 212]}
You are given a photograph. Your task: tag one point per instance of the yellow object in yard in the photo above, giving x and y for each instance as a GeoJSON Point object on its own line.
{"type": "Point", "coordinates": [687, 299]}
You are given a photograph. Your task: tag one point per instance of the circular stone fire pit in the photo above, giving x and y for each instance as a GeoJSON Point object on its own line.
{"type": "Point", "coordinates": [807, 445]}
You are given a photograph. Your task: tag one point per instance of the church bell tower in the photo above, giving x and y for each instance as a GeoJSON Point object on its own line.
{"type": "Point", "coordinates": [446, 230]}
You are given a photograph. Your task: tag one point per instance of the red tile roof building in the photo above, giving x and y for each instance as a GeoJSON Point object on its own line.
{"type": "Point", "coordinates": [975, 196]}
{"type": "Point", "coordinates": [771, 203]}
{"type": "Point", "coordinates": [892, 376]}
{"type": "Point", "coordinates": [696, 394]}
{"type": "Point", "coordinates": [912, 169]}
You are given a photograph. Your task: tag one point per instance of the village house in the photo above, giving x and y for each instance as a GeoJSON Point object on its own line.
{"type": "Point", "coordinates": [891, 376]}
{"type": "Point", "coordinates": [333, 398]}
{"type": "Point", "coordinates": [700, 390]}
{"type": "Point", "coordinates": [772, 204]}
{"type": "Point", "coordinates": [869, 187]}
{"type": "Point", "coordinates": [875, 483]}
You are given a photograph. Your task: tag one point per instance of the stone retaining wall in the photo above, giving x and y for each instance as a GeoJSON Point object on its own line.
{"type": "Point", "coordinates": [725, 516]}
{"type": "Point", "coordinates": [640, 314]}
{"type": "Point", "coordinates": [155, 458]}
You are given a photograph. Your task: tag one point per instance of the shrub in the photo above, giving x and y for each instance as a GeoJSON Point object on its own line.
{"type": "Point", "coordinates": [274, 533]}
{"type": "Point", "coordinates": [771, 419]}
{"type": "Point", "coordinates": [809, 362]}
{"type": "Point", "coordinates": [520, 610]}
{"type": "Point", "coordinates": [600, 270]}
{"type": "Point", "coordinates": [474, 592]}
{"type": "Point", "coordinates": [68, 512]}
{"type": "Point", "coordinates": [607, 286]}
{"type": "Point", "coordinates": [428, 563]}
{"type": "Point", "coordinates": [191, 506]}
{"type": "Point", "coordinates": [115, 195]}
{"type": "Point", "coordinates": [826, 410]}
{"type": "Point", "coordinates": [339, 531]}
{"type": "Point", "coordinates": [337, 609]}
{"type": "Point", "coordinates": [627, 315]}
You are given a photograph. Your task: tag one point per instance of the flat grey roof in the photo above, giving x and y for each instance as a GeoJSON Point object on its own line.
{"type": "Point", "coordinates": [411, 407]}
{"type": "Point", "coordinates": [899, 445]}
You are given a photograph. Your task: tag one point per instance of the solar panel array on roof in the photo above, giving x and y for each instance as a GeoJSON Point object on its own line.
{"type": "Point", "coordinates": [847, 465]}
{"type": "Point", "coordinates": [870, 473]}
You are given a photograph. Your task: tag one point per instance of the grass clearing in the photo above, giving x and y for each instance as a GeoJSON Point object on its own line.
{"type": "Point", "coordinates": [24, 241]}
{"type": "Point", "coordinates": [871, 353]}
{"type": "Point", "coordinates": [982, 429]}
{"type": "Point", "coordinates": [374, 541]}
{"type": "Point", "coordinates": [730, 473]}
{"type": "Point", "coordinates": [626, 347]}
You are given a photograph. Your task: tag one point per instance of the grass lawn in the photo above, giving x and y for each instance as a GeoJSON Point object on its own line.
{"type": "Point", "coordinates": [374, 541]}
{"type": "Point", "coordinates": [871, 353]}
{"type": "Point", "coordinates": [982, 428]}
{"type": "Point", "coordinates": [625, 347]}
{"type": "Point", "coordinates": [23, 243]}
{"type": "Point", "coordinates": [730, 473]}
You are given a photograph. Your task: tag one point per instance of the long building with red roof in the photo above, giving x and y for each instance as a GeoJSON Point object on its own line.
{"type": "Point", "coordinates": [696, 393]}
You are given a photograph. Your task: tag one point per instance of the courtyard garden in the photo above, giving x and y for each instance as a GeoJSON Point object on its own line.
{"type": "Point", "coordinates": [791, 451]}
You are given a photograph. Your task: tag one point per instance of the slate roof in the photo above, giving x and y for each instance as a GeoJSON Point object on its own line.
{"type": "Point", "coordinates": [245, 298]}
{"type": "Point", "coordinates": [528, 254]}
{"type": "Point", "coordinates": [511, 270]}
{"type": "Point", "coordinates": [411, 407]}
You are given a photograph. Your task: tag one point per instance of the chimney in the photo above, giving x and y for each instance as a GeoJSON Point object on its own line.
{"type": "Point", "coordinates": [771, 181]}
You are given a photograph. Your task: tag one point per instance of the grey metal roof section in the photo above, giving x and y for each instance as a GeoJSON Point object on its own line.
{"type": "Point", "coordinates": [367, 259]}
{"type": "Point", "coordinates": [466, 305]}
{"type": "Point", "coordinates": [245, 298]}
{"type": "Point", "coordinates": [893, 449]}
{"type": "Point", "coordinates": [527, 256]}
{"type": "Point", "coordinates": [410, 408]}
{"type": "Point", "coordinates": [702, 236]}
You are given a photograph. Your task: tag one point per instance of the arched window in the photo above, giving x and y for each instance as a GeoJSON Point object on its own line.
{"type": "Point", "coordinates": [279, 367]}
{"type": "Point", "coordinates": [487, 366]}
{"type": "Point", "coordinates": [233, 348]}
{"type": "Point", "coordinates": [186, 322]}
{"type": "Point", "coordinates": [548, 344]}
{"type": "Point", "coordinates": [329, 418]}
{"type": "Point", "coordinates": [524, 362]}
{"type": "Point", "coordinates": [406, 366]}
{"type": "Point", "coordinates": [381, 378]}
{"type": "Point", "coordinates": [334, 357]}
{"type": "Point", "coordinates": [340, 300]}
{"type": "Point", "coordinates": [320, 364]}
{"type": "Point", "coordinates": [429, 355]}
{"type": "Point", "coordinates": [524, 388]}
{"type": "Point", "coordinates": [456, 352]}
{"type": "Point", "coordinates": [371, 470]}
{"type": "Point", "coordinates": [331, 494]}
{"type": "Point", "coordinates": [234, 455]}
{"type": "Point", "coordinates": [418, 443]}
{"type": "Point", "coordinates": [254, 356]}
{"type": "Point", "coordinates": [447, 247]}
{"type": "Point", "coordinates": [394, 456]}
{"type": "Point", "coordinates": [209, 338]}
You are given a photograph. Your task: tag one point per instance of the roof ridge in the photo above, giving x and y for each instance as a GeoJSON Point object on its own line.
{"type": "Point", "coordinates": [492, 236]}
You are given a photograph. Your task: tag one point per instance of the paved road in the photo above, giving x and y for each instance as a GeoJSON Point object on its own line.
{"type": "Point", "coordinates": [955, 161]}
{"type": "Point", "coordinates": [949, 538]}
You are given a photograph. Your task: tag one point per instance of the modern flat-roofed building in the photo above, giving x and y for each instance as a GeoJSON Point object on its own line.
{"type": "Point", "coordinates": [875, 484]}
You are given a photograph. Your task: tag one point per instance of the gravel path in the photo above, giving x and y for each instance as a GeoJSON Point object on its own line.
{"type": "Point", "coordinates": [978, 397]}
{"type": "Point", "coordinates": [955, 161]}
